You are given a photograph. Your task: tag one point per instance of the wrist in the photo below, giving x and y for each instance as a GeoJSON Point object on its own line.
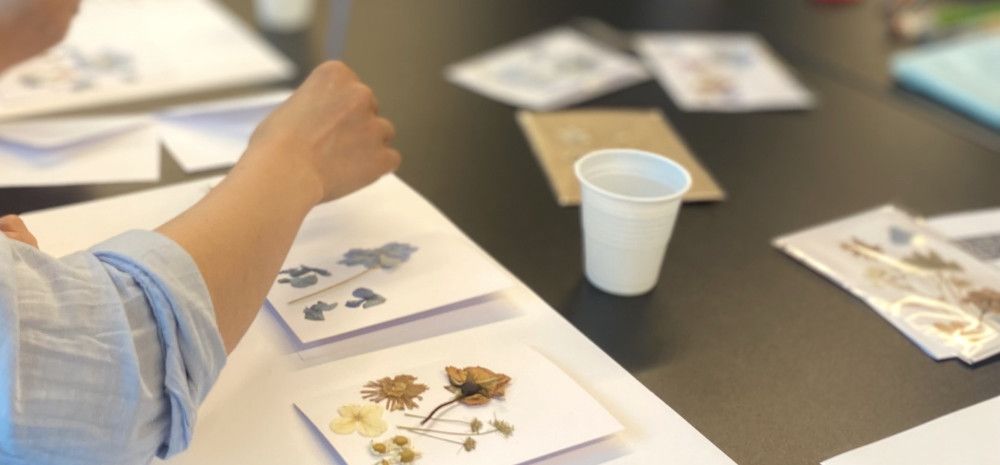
{"type": "Point", "coordinates": [291, 177]}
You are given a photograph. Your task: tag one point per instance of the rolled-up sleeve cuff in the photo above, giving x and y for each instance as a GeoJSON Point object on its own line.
{"type": "Point", "coordinates": [182, 307]}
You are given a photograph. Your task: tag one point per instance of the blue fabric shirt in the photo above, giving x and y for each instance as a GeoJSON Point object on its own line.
{"type": "Point", "coordinates": [105, 355]}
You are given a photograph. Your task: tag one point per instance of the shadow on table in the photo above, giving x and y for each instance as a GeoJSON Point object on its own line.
{"type": "Point", "coordinates": [624, 327]}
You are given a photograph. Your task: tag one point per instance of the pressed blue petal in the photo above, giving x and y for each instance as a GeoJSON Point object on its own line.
{"type": "Point", "coordinates": [363, 293]}
{"type": "Point", "coordinates": [304, 281]}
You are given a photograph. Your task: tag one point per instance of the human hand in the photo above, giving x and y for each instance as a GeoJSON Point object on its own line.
{"type": "Point", "coordinates": [28, 27]}
{"type": "Point", "coordinates": [331, 126]}
{"type": "Point", "coordinates": [12, 227]}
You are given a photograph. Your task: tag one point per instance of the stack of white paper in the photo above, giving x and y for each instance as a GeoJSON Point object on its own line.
{"type": "Point", "coordinates": [81, 150]}
{"type": "Point", "coordinates": [214, 134]}
{"type": "Point", "coordinates": [269, 362]}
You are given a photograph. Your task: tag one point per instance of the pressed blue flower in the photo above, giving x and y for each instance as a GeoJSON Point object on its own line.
{"type": "Point", "coordinates": [387, 257]}
{"type": "Point", "coordinates": [367, 298]}
{"type": "Point", "coordinates": [363, 293]}
{"type": "Point", "coordinates": [899, 235]}
{"type": "Point", "coordinates": [315, 311]}
{"type": "Point", "coordinates": [376, 300]}
{"type": "Point", "coordinates": [302, 276]}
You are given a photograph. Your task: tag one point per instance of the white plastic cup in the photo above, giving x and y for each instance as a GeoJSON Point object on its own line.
{"type": "Point", "coordinates": [284, 15]}
{"type": "Point", "coordinates": [628, 206]}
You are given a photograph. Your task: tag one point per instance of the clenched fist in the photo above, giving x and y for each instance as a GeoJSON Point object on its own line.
{"type": "Point", "coordinates": [331, 126]}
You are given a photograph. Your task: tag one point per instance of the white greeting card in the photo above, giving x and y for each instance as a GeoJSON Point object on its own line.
{"type": "Point", "coordinates": [372, 259]}
{"type": "Point", "coordinates": [548, 71]}
{"type": "Point", "coordinates": [527, 408]}
{"type": "Point", "coordinates": [78, 150]}
{"type": "Point", "coordinates": [943, 299]}
{"type": "Point", "coordinates": [727, 72]}
{"type": "Point", "coordinates": [124, 50]}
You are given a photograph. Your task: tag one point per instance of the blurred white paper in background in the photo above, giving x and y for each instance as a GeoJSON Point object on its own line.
{"type": "Point", "coordinates": [549, 70]}
{"type": "Point", "coordinates": [966, 437]}
{"type": "Point", "coordinates": [79, 150]}
{"type": "Point", "coordinates": [978, 232]}
{"type": "Point", "coordinates": [726, 72]}
{"type": "Point", "coordinates": [121, 50]}
{"type": "Point", "coordinates": [214, 134]}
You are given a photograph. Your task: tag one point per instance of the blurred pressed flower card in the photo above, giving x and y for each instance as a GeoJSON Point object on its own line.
{"type": "Point", "coordinates": [487, 405]}
{"type": "Point", "coordinates": [376, 258]}
{"type": "Point", "coordinates": [548, 70]}
{"type": "Point", "coordinates": [727, 72]}
{"type": "Point", "coordinates": [945, 300]}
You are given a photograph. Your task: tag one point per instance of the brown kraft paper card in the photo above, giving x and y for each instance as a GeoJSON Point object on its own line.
{"type": "Point", "coordinates": [560, 138]}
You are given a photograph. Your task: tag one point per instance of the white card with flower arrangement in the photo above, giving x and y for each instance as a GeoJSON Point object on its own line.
{"type": "Point", "coordinates": [941, 297]}
{"type": "Point", "coordinates": [495, 405]}
{"type": "Point", "coordinates": [376, 257]}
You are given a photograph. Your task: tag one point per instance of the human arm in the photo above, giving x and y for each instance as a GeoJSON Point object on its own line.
{"type": "Point", "coordinates": [28, 27]}
{"type": "Point", "coordinates": [324, 142]}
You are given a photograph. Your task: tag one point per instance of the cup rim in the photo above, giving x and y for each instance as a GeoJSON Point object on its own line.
{"type": "Point", "coordinates": [642, 153]}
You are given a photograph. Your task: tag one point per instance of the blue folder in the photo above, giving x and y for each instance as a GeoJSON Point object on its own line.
{"type": "Point", "coordinates": [962, 73]}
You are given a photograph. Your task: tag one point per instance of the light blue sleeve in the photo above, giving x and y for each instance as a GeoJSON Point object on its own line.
{"type": "Point", "coordinates": [105, 355]}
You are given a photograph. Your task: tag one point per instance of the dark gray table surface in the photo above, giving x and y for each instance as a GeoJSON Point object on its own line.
{"type": "Point", "coordinates": [771, 362]}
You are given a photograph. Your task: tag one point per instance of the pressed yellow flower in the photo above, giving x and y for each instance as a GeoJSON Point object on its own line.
{"type": "Point", "coordinates": [365, 419]}
{"type": "Point", "coordinates": [379, 448]}
{"type": "Point", "coordinates": [407, 455]}
{"type": "Point", "coordinates": [398, 392]}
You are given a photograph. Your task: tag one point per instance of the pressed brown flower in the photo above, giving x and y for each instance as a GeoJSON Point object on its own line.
{"type": "Point", "coordinates": [475, 425]}
{"type": "Point", "coordinates": [473, 386]}
{"type": "Point", "coordinates": [950, 327]}
{"type": "Point", "coordinates": [931, 261]}
{"type": "Point", "coordinates": [476, 385]}
{"type": "Point", "coordinates": [986, 300]}
{"type": "Point", "coordinates": [398, 392]}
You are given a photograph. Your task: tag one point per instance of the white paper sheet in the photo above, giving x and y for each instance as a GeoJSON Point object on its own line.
{"type": "Point", "coordinates": [966, 437]}
{"type": "Point", "coordinates": [548, 71]}
{"type": "Point", "coordinates": [442, 271]}
{"type": "Point", "coordinates": [727, 72]}
{"type": "Point", "coordinates": [978, 232]}
{"type": "Point", "coordinates": [248, 417]}
{"type": "Point", "coordinates": [214, 134]}
{"type": "Point", "coordinates": [119, 50]}
{"type": "Point", "coordinates": [83, 150]}
{"type": "Point", "coordinates": [548, 410]}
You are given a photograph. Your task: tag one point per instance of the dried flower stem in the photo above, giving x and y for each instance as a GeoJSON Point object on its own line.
{"type": "Point", "coordinates": [449, 420]}
{"type": "Point", "coordinates": [453, 433]}
{"type": "Point", "coordinates": [431, 415]}
{"type": "Point", "coordinates": [421, 433]}
{"type": "Point", "coordinates": [327, 288]}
